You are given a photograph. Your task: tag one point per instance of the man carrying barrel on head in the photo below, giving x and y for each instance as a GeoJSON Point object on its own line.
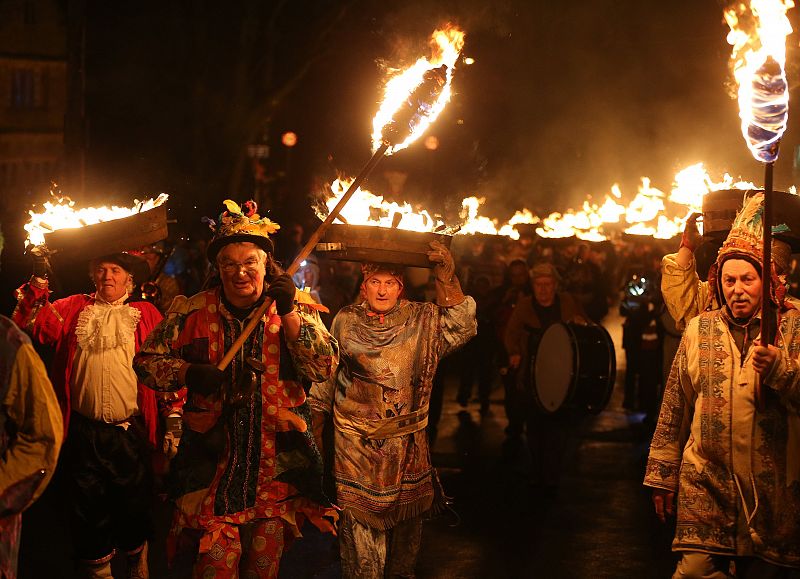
{"type": "Point", "coordinates": [726, 453]}
{"type": "Point", "coordinates": [378, 399]}
{"type": "Point", "coordinates": [111, 418]}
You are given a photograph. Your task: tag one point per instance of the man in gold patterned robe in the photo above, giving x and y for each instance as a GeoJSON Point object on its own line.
{"type": "Point", "coordinates": [389, 350]}
{"type": "Point", "coordinates": [732, 455]}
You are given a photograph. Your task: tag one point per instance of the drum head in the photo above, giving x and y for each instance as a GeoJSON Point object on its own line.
{"type": "Point", "coordinates": [553, 373]}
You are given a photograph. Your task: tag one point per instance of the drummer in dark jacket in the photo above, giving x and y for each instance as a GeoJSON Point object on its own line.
{"type": "Point", "coordinates": [546, 432]}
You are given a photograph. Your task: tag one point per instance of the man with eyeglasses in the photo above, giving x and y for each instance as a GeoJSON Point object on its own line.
{"type": "Point", "coordinates": [378, 400]}
{"type": "Point", "coordinates": [247, 472]}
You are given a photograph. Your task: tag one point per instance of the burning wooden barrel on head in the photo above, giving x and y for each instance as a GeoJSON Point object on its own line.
{"type": "Point", "coordinates": [368, 243]}
{"type": "Point", "coordinates": [71, 237]}
{"type": "Point", "coordinates": [720, 208]}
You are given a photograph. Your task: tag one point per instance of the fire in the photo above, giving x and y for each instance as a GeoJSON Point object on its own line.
{"type": "Point", "coordinates": [651, 212]}
{"type": "Point", "coordinates": [446, 45]}
{"type": "Point", "coordinates": [758, 37]}
{"type": "Point", "coordinates": [364, 208]}
{"type": "Point", "coordinates": [60, 213]}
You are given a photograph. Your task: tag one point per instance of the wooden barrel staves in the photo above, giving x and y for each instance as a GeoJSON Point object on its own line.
{"type": "Point", "coordinates": [367, 243]}
{"type": "Point", "coordinates": [107, 237]}
{"type": "Point", "coordinates": [720, 209]}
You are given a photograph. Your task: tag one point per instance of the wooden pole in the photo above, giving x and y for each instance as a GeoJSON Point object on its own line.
{"type": "Point", "coordinates": [307, 248]}
{"type": "Point", "coordinates": [767, 312]}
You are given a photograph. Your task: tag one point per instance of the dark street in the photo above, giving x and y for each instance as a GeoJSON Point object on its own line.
{"type": "Point", "coordinates": [599, 524]}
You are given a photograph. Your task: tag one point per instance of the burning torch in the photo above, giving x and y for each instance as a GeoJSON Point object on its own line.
{"type": "Point", "coordinates": [413, 101]}
{"type": "Point", "coordinates": [764, 110]}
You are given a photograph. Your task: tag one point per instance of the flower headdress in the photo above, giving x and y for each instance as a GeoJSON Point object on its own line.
{"type": "Point", "coordinates": [238, 224]}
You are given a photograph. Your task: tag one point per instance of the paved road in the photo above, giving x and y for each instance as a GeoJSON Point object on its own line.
{"type": "Point", "coordinates": [599, 524]}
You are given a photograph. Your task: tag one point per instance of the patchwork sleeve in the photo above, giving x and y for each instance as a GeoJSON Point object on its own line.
{"type": "Point", "coordinates": [674, 423]}
{"type": "Point", "coordinates": [321, 396]}
{"type": "Point", "coordinates": [315, 353]}
{"type": "Point", "coordinates": [684, 294]}
{"type": "Point", "coordinates": [158, 364]}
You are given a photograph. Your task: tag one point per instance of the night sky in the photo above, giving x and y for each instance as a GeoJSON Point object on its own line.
{"type": "Point", "coordinates": [563, 100]}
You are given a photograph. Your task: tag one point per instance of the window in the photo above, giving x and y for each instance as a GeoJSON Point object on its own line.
{"type": "Point", "coordinates": [22, 89]}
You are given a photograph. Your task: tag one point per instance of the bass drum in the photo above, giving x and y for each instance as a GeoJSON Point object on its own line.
{"type": "Point", "coordinates": [575, 366]}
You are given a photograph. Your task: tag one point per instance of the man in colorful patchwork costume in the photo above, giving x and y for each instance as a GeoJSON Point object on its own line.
{"type": "Point", "coordinates": [732, 455]}
{"type": "Point", "coordinates": [378, 400]}
{"type": "Point", "coordinates": [247, 473]}
{"type": "Point", "coordinates": [111, 419]}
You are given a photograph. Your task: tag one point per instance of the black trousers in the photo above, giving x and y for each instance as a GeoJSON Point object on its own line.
{"type": "Point", "coordinates": [109, 485]}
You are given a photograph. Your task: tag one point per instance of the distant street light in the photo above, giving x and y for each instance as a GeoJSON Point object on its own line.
{"type": "Point", "coordinates": [289, 139]}
{"type": "Point", "coordinates": [431, 143]}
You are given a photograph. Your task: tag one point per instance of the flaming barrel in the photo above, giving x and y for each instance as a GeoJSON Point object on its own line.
{"type": "Point", "coordinates": [98, 239]}
{"type": "Point", "coordinates": [379, 244]}
{"type": "Point", "coordinates": [720, 208]}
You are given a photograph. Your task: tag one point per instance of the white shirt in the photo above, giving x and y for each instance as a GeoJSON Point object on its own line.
{"type": "Point", "coordinates": [103, 384]}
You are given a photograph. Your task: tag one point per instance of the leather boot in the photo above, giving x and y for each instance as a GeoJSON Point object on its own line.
{"type": "Point", "coordinates": [137, 564]}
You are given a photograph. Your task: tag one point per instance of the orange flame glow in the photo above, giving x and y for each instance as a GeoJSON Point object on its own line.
{"type": "Point", "coordinates": [62, 214]}
{"type": "Point", "coordinates": [651, 212]}
{"type": "Point", "coordinates": [446, 45]}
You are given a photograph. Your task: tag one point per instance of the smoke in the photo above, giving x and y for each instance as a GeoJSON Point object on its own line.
{"type": "Point", "coordinates": [567, 98]}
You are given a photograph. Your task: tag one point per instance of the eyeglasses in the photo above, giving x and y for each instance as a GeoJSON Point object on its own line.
{"type": "Point", "coordinates": [250, 266]}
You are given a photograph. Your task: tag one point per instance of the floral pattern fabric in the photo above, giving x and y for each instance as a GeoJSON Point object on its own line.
{"type": "Point", "coordinates": [722, 454]}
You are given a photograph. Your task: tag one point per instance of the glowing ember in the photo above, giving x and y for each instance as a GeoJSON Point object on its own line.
{"type": "Point", "coordinates": [446, 46]}
{"type": "Point", "coordinates": [758, 36]}
{"type": "Point", "coordinates": [61, 214]}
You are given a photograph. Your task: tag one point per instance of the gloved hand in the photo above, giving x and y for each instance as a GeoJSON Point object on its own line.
{"type": "Point", "coordinates": [282, 290]}
{"type": "Point", "coordinates": [204, 379]}
{"type": "Point", "coordinates": [691, 234]}
{"type": "Point", "coordinates": [445, 267]}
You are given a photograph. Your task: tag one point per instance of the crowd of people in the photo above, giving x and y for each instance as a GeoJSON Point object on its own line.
{"type": "Point", "coordinates": [146, 394]}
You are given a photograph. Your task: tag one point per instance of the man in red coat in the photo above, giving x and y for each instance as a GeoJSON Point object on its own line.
{"type": "Point", "coordinates": [109, 417]}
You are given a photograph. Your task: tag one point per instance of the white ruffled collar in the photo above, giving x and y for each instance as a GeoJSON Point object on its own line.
{"type": "Point", "coordinates": [103, 325]}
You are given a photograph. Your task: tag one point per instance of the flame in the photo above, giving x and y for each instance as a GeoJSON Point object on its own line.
{"type": "Point", "coordinates": [364, 208]}
{"type": "Point", "coordinates": [60, 213]}
{"type": "Point", "coordinates": [446, 45]}
{"type": "Point", "coordinates": [759, 59]}
{"type": "Point", "coordinates": [651, 212]}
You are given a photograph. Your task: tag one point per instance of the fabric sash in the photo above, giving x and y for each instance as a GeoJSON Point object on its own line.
{"type": "Point", "coordinates": [377, 428]}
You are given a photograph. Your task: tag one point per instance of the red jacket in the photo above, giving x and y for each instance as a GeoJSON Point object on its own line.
{"type": "Point", "coordinates": [54, 324]}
